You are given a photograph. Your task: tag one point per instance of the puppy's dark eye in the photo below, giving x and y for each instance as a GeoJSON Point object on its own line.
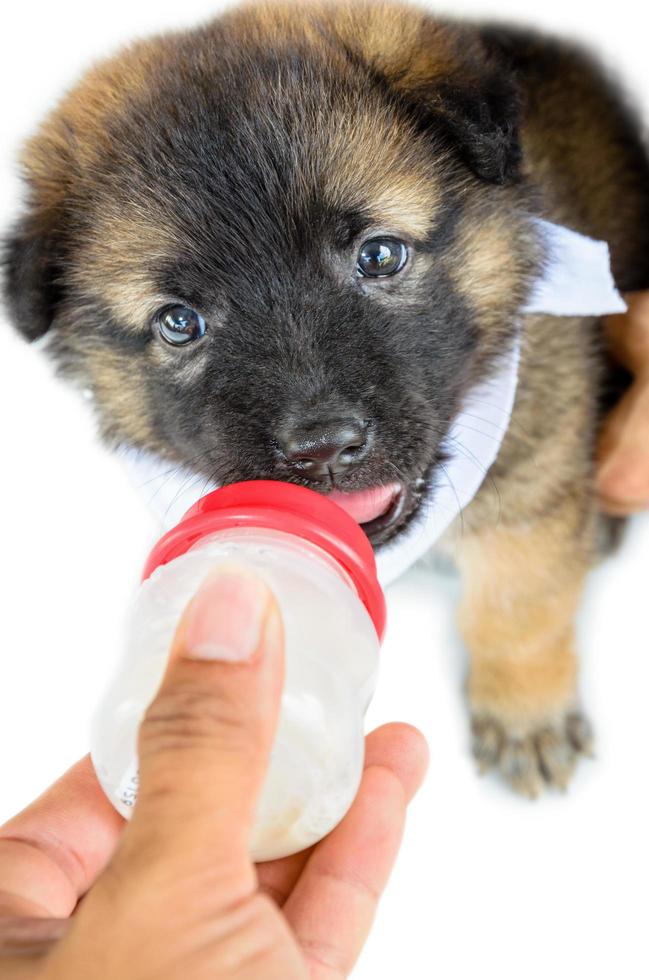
{"type": "Point", "coordinates": [179, 325]}
{"type": "Point", "coordinates": [381, 257]}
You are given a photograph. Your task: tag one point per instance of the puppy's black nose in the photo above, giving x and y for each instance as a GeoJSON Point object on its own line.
{"type": "Point", "coordinates": [324, 449]}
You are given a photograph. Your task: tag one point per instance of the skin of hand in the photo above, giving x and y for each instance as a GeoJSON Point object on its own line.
{"type": "Point", "coordinates": [173, 894]}
{"type": "Point", "coordinates": [623, 477]}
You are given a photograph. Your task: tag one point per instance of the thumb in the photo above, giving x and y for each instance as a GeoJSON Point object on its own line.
{"type": "Point", "coordinates": [205, 741]}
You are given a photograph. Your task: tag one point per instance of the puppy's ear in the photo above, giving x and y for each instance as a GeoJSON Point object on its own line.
{"type": "Point", "coordinates": [451, 80]}
{"type": "Point", "coordinates": [30, 282]}
{"type": "Point", "coordinates": [480, 117]}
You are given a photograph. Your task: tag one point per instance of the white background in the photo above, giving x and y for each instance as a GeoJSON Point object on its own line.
{"type": "Point", "coordinates": [487, 884]}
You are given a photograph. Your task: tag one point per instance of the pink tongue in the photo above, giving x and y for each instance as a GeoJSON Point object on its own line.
{"type": "Point", "coordinates": [366, 505]}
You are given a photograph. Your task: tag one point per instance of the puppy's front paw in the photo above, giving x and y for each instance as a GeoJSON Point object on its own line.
{"type": "Point", "coordinates": [532, 759]}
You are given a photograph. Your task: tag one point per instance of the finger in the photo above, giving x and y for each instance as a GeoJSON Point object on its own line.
{"type": "Point", "coordinates": [277, 878]}
{"type": "Point", "coordinates": [623, 476]}
{"type": "Point", "coordinates": [20, 936]}
{"type": "Point", "coordinates": [628, 334]}
{"type": "Point", "coordinates": [52, 852]}
{"type": "Point", "coordinates": [333, 904]}
{"type": "Point", "coordinates": [205, 741]}
{"type": "Point", "coordinates": [392, 746]}
{"type": "Point", "coordinates": [402, 749]}
{"type": "Point", "coordinates": [25, 942]}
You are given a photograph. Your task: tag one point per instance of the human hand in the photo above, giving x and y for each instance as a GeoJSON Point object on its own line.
{"type": "Point", "coordinates": [173, 894]}
{"type": "Point", "coordinates": [623, 478]}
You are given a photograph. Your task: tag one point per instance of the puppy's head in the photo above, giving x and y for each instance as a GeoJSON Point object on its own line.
{"type": "Point", "coordinates": [283, 245]}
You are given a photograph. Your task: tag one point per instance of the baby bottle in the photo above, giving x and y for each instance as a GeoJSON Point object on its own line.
{"type": "Point", "coordinates": [320, 566]}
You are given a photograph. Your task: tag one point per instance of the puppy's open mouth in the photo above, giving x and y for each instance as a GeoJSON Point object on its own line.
{"type": "Point", "coordinates": [377, 509]}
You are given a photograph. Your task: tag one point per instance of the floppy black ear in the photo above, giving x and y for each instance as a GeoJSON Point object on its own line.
{"type": "Point", "coordinates": [30, 285]}
{"type": "Point", "coordinates": [460, 86]}
{"type": "Point", "coordinates": [481, 118]}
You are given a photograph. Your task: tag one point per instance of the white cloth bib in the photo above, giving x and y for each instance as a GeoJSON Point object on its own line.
{"type": "Point", "coordinates": [577, 282]}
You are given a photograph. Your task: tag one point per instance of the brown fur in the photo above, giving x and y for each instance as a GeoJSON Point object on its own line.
{"type": "Point", "coordinates": [126, 408]}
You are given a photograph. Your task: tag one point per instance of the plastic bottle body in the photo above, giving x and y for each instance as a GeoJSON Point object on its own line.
{"type": "Point", "coordinates": [331, 658]}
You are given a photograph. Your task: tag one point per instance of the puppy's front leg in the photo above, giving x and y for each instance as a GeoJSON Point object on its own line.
{"type": "Point", "coordinates": [522, 589]}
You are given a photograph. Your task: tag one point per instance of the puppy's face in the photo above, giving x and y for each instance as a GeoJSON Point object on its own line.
{"type": "Point", "coordinates": [282, 246]}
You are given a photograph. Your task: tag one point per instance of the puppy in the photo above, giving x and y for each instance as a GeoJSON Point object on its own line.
{"type": "Point", "coordinates": [286, 244]}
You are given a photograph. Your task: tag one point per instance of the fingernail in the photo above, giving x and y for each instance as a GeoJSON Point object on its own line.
{"type": "Point", "coordinates": [224, 619]}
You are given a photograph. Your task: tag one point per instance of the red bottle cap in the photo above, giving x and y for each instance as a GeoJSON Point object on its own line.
{"type": "Point", "coordinates": [281, 507]}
